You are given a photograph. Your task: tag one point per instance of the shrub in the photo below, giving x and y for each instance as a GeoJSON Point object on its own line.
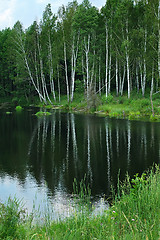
{"type": "Point", "coordinates": [145, 102]}
{"type": "Point", "coordinates": [107, 99]}
{"type": "Point", "coordinates": [134, 115]}
{"type": "Point", "coordinates": [154, 118]}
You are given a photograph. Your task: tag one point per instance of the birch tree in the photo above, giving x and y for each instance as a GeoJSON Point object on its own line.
{"type": "Point", "coordinates": [22, 52]}
{"type": "Point", "coordinates": [85, 22]}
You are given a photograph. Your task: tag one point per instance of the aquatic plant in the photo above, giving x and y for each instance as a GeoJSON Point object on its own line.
{"type": "Point", "coordinates": [19, 108]}
{"type": "Point", "coordinates": [41, 114]}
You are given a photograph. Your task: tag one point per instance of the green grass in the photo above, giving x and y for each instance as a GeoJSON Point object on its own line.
{"type": "Point", "coordinates": [134, 214]}
{"type": "Point", "coordinates": [137, 107]}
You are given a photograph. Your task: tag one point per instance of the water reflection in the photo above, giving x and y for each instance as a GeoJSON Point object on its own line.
{"type": "Point", "coordinates": [53, 150]}
{"type": "Point", "coordinates": [69, 146]}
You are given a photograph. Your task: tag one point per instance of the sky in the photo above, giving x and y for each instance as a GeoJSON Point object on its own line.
{"type": "Point", "coordinates": [27, 11]}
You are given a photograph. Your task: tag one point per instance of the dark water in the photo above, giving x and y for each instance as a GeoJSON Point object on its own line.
{"type": "Point", "coordinates": [40, 157]}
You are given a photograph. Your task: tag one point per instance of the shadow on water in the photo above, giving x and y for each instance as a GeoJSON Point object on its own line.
{"type": "Point", "coordinates": [42, 156]}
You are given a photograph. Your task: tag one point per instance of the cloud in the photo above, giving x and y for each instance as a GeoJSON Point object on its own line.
{"type": "Point", "coordinates": [7, 12]}
{"type": "Point", "coordinates": [26, 11]}
{"type": "Point", "coordinates": [42, 1]}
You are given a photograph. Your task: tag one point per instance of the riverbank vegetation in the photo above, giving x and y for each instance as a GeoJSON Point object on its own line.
{"type": "Point", "coordinates": [135, 108]}
{"type": "Point", "coordinates": [133, 214]}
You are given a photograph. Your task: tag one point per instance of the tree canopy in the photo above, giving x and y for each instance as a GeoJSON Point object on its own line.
{"type": "Point", "coordinates": [115, 49]}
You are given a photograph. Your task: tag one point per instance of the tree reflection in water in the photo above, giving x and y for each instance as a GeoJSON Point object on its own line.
{"type": "Point", "coordinates": [58, 148]}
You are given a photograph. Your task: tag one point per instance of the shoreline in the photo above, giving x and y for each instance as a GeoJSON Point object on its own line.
{"type": "Point", "coordinates": [135, 108]}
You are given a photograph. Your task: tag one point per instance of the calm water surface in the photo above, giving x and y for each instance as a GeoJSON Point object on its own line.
{"type": "Point", "coordinates": [40, 157]}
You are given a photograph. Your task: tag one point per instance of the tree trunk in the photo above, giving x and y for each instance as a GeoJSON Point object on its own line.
{"type": "Point", "coordinates": [66, 70]}
{"type": "Point", "coordinates": [127, 61]}
{"type": "Point", "coordinates": [73, 65]}
{"type": "Point", "coordinates": [106, 78]}
{"type": "Point", "coordinates": [51, 68]}
{"type": "Point", "coordinates": [116, 76]}
{"type": "Point", "coordinates": [99, 76]}
{"type": "Point", "coordinates": [87, 47]}
{"type": "Point", "coordinates": [59, 89]}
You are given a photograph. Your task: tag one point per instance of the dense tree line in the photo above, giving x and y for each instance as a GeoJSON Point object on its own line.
{"type": "Point", "coordinates": [81, 48]}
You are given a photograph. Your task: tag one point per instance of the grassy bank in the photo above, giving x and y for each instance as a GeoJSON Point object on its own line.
{"type": "Point", "coordinates": [137, 107]}
{"type": "Point", "coordinates": [134, 214]}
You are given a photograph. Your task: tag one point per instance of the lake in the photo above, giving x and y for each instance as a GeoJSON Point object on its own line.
{"type": "Point", "coordinates": [41, 157]}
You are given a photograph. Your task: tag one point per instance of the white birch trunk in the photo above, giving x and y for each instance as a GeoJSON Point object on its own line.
{"type": "Point", "coordinates": [127, 62]}
{"type": "Point", "coordinates": [44, 87]}
{"type": "Point", "coordinates": [109, 73]}
{"type": "Point", "coordinates": [84, 79]}
{"type": "Point", "coordinates": [141, 75]}
{"type": "Point", "coordinates": [151, 92]}
{"type": "Point", "coordinates": [152, 82]}
{"type": "Point", "coordinates": [106, 77]}
{"type": "Point", "coordinates": [51, 69]}
{"type": "Point", "coordinates": [87, 47]}
{"type": "Point", "coordinates": [144, 64]}
{"type": "Point", "coordinates": [24, 55]}
{"type": "Point", "coordinates": [37, 77]}
{"type": "Point", "coordinates": [59, 89]}
{"type": "Point", "coordinates": [93, 69]}
{"type": "Point", "coordinates": [73, 63]}
{"type": "Point", "coordinates": [124, 75]}
{"type": "Point", "coordinates": [99, 76]}
{"type": "Point", "coordinates": [66, 70]}
{"type": "Point", "coordinates": [116, 76]}
{"type": "Point", "coordinates": [137, 78]}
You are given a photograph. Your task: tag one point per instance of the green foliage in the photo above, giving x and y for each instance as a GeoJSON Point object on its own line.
{"type": "Point", "coordinates": [107, 99]}
{"type": "Point", "coordinates": [41, 114]}
{"type": "Point", "coordinates": [154, 118]}
{"type": "Point", "coordinates": [138, 183]}
{"type": "Point", "coordinates": [134, 115]}
{"type": "Point", "coordinates": [116, 114]}
{"type": "Point", "coordinates": [19, 108]}
{"type": "Point", "coordinates": [11, 217]}
{"type": "Point", "coordinates": [79, 87]}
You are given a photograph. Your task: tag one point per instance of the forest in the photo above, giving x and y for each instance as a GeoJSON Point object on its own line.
{"type": "Point", "coordinates": [83, 49]}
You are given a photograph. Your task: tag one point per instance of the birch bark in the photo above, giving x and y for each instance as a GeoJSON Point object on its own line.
{"type": "Point", "coordinates": [106, 77]}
